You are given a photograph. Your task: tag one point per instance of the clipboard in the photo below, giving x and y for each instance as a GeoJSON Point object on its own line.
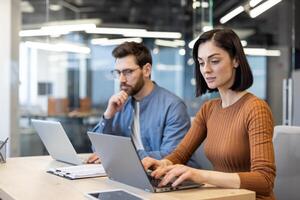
{"type": "Point", "coordinates": [79, 171]}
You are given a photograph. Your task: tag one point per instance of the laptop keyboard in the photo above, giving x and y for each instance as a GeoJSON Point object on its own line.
{"type": "Point", "coordinates": [155, 182]}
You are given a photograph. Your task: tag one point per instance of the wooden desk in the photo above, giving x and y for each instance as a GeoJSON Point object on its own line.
{"type": "Point", "coordinates": [25, 178]}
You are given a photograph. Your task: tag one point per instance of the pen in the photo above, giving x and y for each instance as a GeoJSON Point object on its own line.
{"type": "Point", "coordinates": [5, 141]}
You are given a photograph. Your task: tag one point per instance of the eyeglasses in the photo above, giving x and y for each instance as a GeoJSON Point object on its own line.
{"type": "Point", "coordinates": [126, 72]}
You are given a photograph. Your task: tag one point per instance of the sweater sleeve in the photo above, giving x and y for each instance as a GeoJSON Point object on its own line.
{"type": "Point", "coordinates": [260, 129]}
{"type": "Point", "coordinates": [192, 140]}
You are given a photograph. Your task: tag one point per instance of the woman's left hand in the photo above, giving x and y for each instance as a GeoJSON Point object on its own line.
{"type": "Point", "coordinates": [179, 173]}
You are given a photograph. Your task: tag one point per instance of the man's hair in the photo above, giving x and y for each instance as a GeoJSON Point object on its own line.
{"type": "Point", "coordinates": [139, 51]}
{"type": "Point", "coordinates": [227, 40]}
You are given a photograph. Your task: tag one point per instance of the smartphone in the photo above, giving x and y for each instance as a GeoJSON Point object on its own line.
{"type": "Point", "coordinates": [113, 195]}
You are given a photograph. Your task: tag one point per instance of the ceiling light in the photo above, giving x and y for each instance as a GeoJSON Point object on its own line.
{"type": "Point", "coordinates": [263, 7]}
{"type": "Point", "coordinates": [110, 42]}
{"type": "Point", "coordinates": [253, 3]}
{"type": "Point", "coordinates": [74, 22]}
{"type": "Point", "coordinates": [231, 14]}
{"type": "Point", "coordinates": [169, 43]}
{"type": "Point", "coordinates": [69, 27]}
{"type": "Point", "coordinates": [129, 32]}
{"type": "Point", "coordinates": [61, 47]}
{"type": "Point", "coordinates": [261, 52]}
{"type": "Point", "coordinates": [61, 28]}
{"type": "Point", "coordinates": [155, 34]}
{"type": "Point", "coordinates": [39, 32]}
{"type": "Point", "coordinates": [115, 31]}
{"type": "Point", "coordinates": [55, 7]}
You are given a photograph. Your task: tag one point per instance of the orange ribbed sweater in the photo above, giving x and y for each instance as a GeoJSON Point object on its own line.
{"type": "Point", "coordinates": [238, 139]}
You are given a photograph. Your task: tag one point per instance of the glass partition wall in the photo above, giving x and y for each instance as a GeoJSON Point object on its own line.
{"type": "Point", "coordinates": [65, 59]}
{"type": "Point", "coordinates": [66, 45]}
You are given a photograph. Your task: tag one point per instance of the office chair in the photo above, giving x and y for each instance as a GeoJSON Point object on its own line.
{"type": "Point", "coordinates": [286, 142]}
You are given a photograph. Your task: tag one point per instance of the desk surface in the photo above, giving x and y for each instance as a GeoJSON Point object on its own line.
{"type": "Point", "coordinates": [26, 178]}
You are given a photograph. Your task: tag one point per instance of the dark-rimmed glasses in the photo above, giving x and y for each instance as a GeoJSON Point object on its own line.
{"type": "Point", "coordinates": [126, 72]}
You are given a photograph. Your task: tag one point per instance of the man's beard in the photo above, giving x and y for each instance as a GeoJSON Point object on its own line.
{"type": "Point", "coordinates": [133, 90]}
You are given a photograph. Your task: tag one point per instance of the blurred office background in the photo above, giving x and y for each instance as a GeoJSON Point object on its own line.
{"type": "Point", "coordinates": [56, 57]}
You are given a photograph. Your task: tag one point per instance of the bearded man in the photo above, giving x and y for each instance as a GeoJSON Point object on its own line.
{"type": "Point", "coordinates": [155, 118]}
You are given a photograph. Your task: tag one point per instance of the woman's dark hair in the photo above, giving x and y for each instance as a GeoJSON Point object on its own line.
{"type": "Point", "coordinates": [139, 51]}
{"type": "Point", "coordinates": [227, 40]}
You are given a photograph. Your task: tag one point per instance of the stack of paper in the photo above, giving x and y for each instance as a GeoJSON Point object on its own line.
{"type": "Point", "coordinates": [80, 171]}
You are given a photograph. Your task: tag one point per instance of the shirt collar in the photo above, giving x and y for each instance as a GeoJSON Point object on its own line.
{"type": "Point", "coordinates": [147, 98]}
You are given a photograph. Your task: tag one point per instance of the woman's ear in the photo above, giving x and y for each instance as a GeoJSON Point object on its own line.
{"type": "Point", "coordinates": [235, 63]}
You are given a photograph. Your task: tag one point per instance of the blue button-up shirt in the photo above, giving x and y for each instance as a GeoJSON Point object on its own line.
{"type": "Point", "coordinates": [163, 122]}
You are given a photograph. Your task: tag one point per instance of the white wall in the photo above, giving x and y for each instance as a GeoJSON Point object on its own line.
{"type": "Point", "coordinates": [10, 23]}
{"type": "Point", "coordinates": [4, 68]}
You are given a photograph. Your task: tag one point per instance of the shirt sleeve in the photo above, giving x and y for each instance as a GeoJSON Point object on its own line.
{"type": "Point", "coordinates": [176, 126]}
{"type": "Point", "coordinates": [192, 140]}
{"type": "Point", "coordinates": [260, 129]}
{"type": "Point", "coordinates": [104, 126]}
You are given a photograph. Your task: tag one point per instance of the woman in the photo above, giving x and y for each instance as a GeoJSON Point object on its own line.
{"type": "Point", "coordinates": [237, 127]}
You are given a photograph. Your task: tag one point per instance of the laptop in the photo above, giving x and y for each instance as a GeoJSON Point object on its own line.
{"type": "Point", "coordinates": [121, 163]}
{"type": "Point", "coordinates": [56, 141]}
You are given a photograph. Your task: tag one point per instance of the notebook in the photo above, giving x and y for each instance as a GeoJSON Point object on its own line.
{"type": "Point", "coordinates": [56, 141]}
{"type": "Point", "coordinates": [79, 171]}
{"type": "Point", "coordinates": [121, 163]}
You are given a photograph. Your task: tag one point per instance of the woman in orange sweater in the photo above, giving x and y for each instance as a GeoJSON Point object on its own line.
{"type": "Point", "coordinates": [237, 127]}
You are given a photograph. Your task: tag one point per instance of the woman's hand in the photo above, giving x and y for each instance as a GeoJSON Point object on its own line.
{"type": "Point", "coordinates": [151, 163]}
{"type": "Point", "coordinates": [176, 174]}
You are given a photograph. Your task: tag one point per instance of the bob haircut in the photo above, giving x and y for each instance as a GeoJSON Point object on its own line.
{"type": "Point", "coordinates": [227, 40]}
{"type": "Point", "coordinates": [139, 51]}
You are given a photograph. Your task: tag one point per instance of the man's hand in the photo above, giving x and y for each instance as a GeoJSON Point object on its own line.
{"type": "Point", "coordinates": [93, 159]}
{"type": "Point", "coordinates": [115, 104]}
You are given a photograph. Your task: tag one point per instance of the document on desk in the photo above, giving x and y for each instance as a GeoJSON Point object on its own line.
{"type": "Point", "coordinates": [79, 171]}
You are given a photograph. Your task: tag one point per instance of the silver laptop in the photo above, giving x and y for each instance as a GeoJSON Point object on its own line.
{"type": "Point", "coordinates": [56, 141]}
{"type": "Point", "coordinates": [121, 163]}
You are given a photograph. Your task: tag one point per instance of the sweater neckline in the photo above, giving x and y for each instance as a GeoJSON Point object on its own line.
{"type": "Point", "coordinates": [235, 104]}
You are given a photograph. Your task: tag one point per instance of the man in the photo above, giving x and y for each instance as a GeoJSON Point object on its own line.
{"type": "Point", "coordinates": [155, 118]}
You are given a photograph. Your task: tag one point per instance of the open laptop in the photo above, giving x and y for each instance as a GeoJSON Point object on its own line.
{"type": "Point", "coordinates": [121, 163]}
{"type": "Point", "coordinates": [56, 141]}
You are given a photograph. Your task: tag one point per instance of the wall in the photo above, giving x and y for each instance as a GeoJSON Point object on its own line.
{"type": "Point", "coordinates": [9, 73]}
